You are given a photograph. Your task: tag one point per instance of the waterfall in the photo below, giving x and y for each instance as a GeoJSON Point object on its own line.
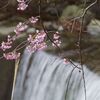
{"type": "Point", "coordinates": [43, 76]}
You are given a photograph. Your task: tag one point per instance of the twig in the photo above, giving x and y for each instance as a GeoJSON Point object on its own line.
{"type": "Point", "coordinates": [69, 82]}
{"type": "Point", "coordinates": [50, 38]}
{"type": "Point", "coordinates": [79, 41]}
{"type": "Point", "coordinates": [85, 10]}
{"type": "Point", "coordinates": [5, 5]}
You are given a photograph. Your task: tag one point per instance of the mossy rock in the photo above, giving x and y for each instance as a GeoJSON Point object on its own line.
{"type": "Point", "coordinates": [73, 11]}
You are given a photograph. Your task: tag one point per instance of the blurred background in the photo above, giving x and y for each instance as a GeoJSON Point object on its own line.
{"type": "Point", "coordinates": [55, 15]}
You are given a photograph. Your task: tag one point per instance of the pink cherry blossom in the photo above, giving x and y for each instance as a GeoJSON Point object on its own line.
{"type": "Point", "coordinates": [7, 44]}
{"type": "Point", "coordinates": [11, 55]}
{"type": "Point", "coordinates": [42, 46]}
{"type": "Point", "coordinates": [30, 38]}
{"type": "Point", "coordinates": [38, 43]}
{"type": "Point", "coordinates": [56, 36]}
{"type": "Point", "coordinates": [56, 39]}
{"type": "Point", "coordinates": [33, 20]}
{"type": "Point", "coordinates": [20, 1]}
{"type": "Point", "coordinates": [65, 61]}
{"type": "Point", "coordinates": [40, 36]}
{"type": "Point", "coordinates": [20, 28]}
{"type": "Point", "coordinates": [22, 6]}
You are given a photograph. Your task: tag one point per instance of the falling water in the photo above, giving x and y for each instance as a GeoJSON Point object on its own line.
{"type": "Point", "coordinates": [43, 76]}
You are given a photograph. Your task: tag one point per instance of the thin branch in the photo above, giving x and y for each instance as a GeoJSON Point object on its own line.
{"type": "Point", "coordinates": [50, 38]}
{"type": "Point", "coordinates": [80, 55]}
{"type": "Point", "coordinates": [70, 75]}
{"type": "Point", "coordinates": [18, 46]}
{"type": "Point", "coordinates": [85, 10]}
{"type": "Point", "coordinates": [79, 41]}
{"type": "Point", "coordinates": [5, 5]}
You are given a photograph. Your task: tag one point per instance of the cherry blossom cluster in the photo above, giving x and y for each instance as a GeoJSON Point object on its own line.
{"type": "Point", "coordinates": [21, 27]}
{"type": "Point", "coordinates": [22, 5]}
{"type": "Point", "coordinates": [33, 20]}
{"type": "Point", "coordinates": [6, 45]}
{"type": "Point", "coordinates": [11, 55]}
{"type": "Point", "coordinates": [38, 43]}
{"type": "Point", "coordinates": [56, 39]}
{"type": "Point", "coordinates": [34, 42]}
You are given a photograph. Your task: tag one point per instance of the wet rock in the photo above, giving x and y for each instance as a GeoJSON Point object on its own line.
{"type": "Point", "coordinates": [94, 27]}
{"type": "Point", "coordinates": [74, 11]}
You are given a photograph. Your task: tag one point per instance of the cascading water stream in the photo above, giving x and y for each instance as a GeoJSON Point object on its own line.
{"type": "Point", "coordinates": [42, 76]}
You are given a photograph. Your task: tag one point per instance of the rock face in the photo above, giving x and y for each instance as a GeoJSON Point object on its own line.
{"type": "Point", "coordinates": [74, 11]}
{"type": "Point", "coordinates": [8, 8]}
{"type": "Point", "coordinates": [94, 28]}
{"type": "Point", "coordinates": [6, 79]}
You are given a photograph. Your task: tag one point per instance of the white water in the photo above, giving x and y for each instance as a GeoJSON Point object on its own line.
{"type": "Point", "coordinates": [45, 77]}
